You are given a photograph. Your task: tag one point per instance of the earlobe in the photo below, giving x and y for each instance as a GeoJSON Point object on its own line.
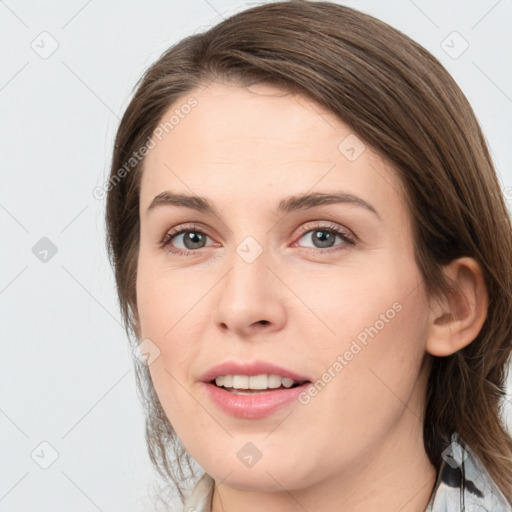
{"type": "Point", "coordinates": [456, 319]}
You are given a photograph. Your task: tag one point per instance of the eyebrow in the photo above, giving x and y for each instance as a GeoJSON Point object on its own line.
{"type": "Point", "coordinates": [287, 205]}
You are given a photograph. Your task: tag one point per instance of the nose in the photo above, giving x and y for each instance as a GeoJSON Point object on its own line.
{"type": "Point", "coordinates": [250, 299]}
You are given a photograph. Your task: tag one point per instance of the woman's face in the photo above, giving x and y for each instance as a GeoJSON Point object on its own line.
{"type": "Point", "coordinates": [319, 289]}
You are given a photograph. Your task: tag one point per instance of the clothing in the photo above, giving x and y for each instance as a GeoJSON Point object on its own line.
{"type": "Point", "coordinates": [462, 485]}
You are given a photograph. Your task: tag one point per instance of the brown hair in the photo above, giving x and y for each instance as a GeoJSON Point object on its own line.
{"type": "Point", "coordinates": [400, 100]}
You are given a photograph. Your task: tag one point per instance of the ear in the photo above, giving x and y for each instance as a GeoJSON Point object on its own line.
{"type": "Point", "coordinates": [456, 319]}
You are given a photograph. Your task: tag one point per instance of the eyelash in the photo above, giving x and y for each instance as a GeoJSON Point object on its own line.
{"type": "Point", "coordinates": [329, 228]}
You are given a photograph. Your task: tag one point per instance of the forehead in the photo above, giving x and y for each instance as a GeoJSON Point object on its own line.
{"type": "Point", "coordinates": [259, 117]}
{"type": "Point", "coordinates": [259, 141]}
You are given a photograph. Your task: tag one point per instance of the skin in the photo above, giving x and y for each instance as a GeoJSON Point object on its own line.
{"type": "Point", "coordinates": [358, 444]}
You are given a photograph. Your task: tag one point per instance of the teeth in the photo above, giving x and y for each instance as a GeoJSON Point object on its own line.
{"type": "Point", "coordinates": [258, 382]}
{"type": "Point", "coordinates": [240, 382]}
{"type": "Point", "coordinates": [274, 381]}
{"type": "Point", "coordinates": [254, 382]}
{"type": "Point", "coordinates": [288, 383]}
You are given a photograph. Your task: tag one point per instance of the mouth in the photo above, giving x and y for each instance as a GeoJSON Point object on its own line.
{"type": "Point", "coordinates": [252, 389]}
{"type": "Point", "coordinates": [256, 396]}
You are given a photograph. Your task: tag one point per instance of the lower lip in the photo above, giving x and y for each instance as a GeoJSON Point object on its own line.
{"type": "Point", "coordinates": [253, 406]}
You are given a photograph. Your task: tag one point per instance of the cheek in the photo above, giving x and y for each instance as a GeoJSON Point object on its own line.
{"type": "Point", "coordinates": [372, 353]}
{"type": "Point", "coordinates": [164, 298]}
{"type": "Point", "coordinates": [381, 353]}
{"type": "Point", "coordinates": [381, 301]}
{"type": "Point", "coordinates": [164, 310]}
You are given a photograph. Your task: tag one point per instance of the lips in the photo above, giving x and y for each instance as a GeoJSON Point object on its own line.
{"type": "Point", "coordinates": [243, 403]}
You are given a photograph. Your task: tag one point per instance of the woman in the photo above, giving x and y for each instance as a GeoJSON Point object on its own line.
{"type": "Point", "coordinates": [312, 249]}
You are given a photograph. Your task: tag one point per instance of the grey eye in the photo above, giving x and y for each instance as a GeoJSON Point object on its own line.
{"type": "Point", "coordinates": [322, 238]}
{"type": "Point", "coordinates": [193, 239]}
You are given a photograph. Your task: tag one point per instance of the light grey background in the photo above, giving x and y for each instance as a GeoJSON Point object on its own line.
{"type": "Point", "coordinates": [66, 371]}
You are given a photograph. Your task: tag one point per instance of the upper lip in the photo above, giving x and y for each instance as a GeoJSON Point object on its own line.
{"type": "Point", "coordinates": [250, 368]}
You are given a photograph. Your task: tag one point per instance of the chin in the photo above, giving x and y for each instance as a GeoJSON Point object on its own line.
{"type": "Point", "coordinates": [271, 476]}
